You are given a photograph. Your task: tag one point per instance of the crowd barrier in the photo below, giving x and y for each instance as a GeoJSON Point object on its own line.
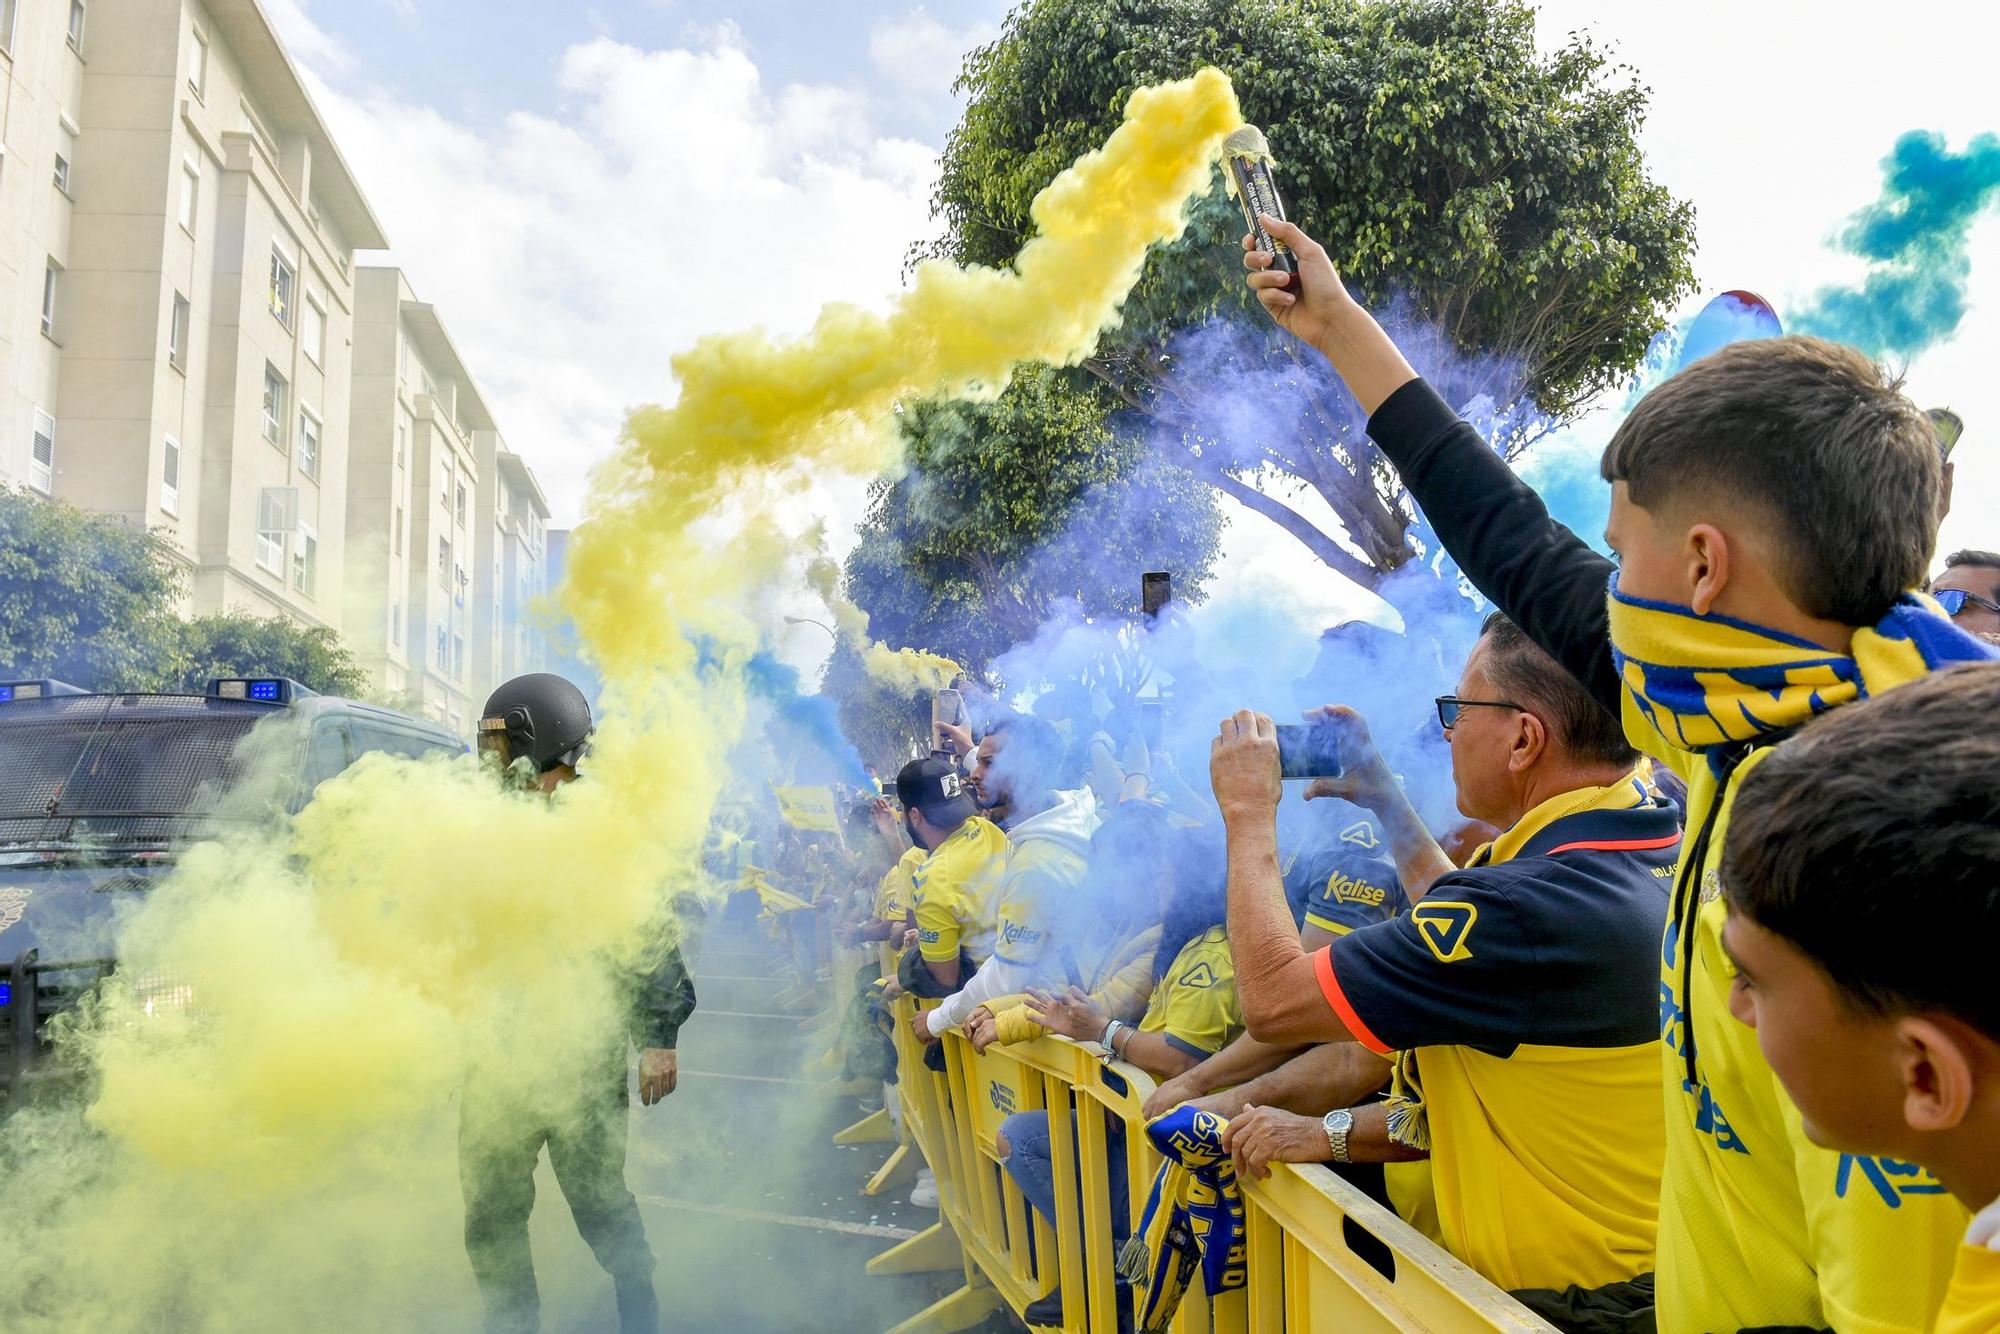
{"type": "Point", "coordinates": [1303, 1223]}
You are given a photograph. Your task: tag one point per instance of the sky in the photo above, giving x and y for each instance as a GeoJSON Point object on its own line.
{"type": "Point", "coordinates": [584, 189]}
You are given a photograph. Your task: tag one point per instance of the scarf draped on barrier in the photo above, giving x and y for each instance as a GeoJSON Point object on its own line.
{"type": "Point", "coordinates": [1193, 1216]}
{"type": "Point", "coordinates": [1707, 682]}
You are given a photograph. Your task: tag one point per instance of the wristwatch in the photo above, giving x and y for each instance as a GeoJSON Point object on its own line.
{"type": "Point", "coordinates": [1337, 1124]}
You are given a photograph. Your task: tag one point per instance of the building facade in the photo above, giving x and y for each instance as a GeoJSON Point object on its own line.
{"type": "Point", "coordinates": [187, 342]}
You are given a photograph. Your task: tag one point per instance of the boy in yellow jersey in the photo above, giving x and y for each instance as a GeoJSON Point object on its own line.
{"type": "Point", "coordinates": [953, 888]}
{"type": "Point", "coordinates": [1515, 995]}
{"type": "Point", "coordinates": [1862, 875]}
{"type": "Point", "coordinates": [1772, 504]}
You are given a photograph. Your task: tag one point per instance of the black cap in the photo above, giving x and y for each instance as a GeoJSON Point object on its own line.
{"type": "Point", "coordinates": [934, 786]}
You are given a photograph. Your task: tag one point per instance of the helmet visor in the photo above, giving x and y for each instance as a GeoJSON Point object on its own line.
{"type": "Point", "coordinates": [493, 741]}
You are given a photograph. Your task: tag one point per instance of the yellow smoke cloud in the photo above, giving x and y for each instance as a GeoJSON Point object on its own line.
{"type": "Point", "coordinates": [281, 1156]}
{"type": "Point", "coordinates": [905, 670]}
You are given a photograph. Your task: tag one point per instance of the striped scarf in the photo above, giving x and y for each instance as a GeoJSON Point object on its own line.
{"type": "Point", "coordinates": [1194, 1216]}
{"type": "Point", "coordinates": [1707, 683]}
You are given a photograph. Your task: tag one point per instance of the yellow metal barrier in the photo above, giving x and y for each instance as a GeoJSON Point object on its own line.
{"type": "Point", "coordinates": [1301, 1223]}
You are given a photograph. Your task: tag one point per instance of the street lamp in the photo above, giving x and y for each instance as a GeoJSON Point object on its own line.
{"type": "Point", "coordinates": [807, 620]}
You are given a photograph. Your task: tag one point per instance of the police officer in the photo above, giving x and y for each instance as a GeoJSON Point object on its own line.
{"type": "Point", "coordinates": [536, 727]}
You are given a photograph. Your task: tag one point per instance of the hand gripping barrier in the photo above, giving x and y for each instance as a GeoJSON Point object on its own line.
{"type": "Point", "coordinates": [1301, 1224]}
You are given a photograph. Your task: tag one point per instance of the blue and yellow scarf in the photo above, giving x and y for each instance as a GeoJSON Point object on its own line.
{"type": "Point", "coordinates": [1194, 1216]}
{"type": "Point", "coordinates": [1707, 683]}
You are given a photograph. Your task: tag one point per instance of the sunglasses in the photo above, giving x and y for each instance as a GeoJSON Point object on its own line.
{"type": "Point", "coordinates": [1955, 600]}
{"type": "Point", "coordinates": [1449, 706]}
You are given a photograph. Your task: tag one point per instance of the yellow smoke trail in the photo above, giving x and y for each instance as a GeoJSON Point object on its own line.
{"type": "Point", "coordinates": [282, 1157]}
{"type": "Point", "coordinates": [904, 670]}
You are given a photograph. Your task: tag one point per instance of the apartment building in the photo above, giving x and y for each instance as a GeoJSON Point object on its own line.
{"type": "Point", "coordinates": [511, 547]}
{"type": "Point", "coordinates": [179, 356]}
{"type": "Point", "coordinates": [451, 519]}
{"type": "Point", "coordinates": [186, 342]}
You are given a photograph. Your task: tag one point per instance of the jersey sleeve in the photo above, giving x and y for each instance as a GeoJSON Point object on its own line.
{"type": "Point", "coordinates": [1455, 970]}
{"type": "Point", "coordinates": [1195, 1007]}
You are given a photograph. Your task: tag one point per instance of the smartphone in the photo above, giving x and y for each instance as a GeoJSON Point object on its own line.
{"type": "Point", "coordinates": [1156, 590]}
{"type": "Point", "coordinates": [1309, 750]}
{"type": "Point", "coordinates": [947, 706]}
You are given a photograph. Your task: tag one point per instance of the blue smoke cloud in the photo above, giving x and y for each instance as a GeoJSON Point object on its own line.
{"type": "Point", "coordinates": [811, 719]}
{"type": "Point", "coordinates": [1915, 238]}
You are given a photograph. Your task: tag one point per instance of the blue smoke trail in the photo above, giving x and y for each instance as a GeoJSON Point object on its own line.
{"type": "Point", "coordinates": [1915, 238]}
{"type": "Point", "coordinates": [814, 718]}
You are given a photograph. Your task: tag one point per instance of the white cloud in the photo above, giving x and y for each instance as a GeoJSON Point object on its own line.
{"type": "Point", "coordinates": [675, 195]}
{"type": "Point", "coordinates": [920, 55]}
{"type": "Point", "coordinates": [308, 43]}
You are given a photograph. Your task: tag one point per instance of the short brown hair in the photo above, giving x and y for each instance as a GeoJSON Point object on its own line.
{"type": "Point", "coordinates": [1522, 672]}
{"type": "Point", "coordinates": [1871, 841]}
{"type": "Point", "coordinates": [1825, 446]}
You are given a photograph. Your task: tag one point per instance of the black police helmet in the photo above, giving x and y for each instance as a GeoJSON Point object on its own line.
{"type": "Point", "coordinates": [539, 717]}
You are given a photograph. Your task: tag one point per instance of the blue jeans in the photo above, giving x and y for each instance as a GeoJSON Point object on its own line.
{"type": "Point", "coordinates": [1028, 1162]}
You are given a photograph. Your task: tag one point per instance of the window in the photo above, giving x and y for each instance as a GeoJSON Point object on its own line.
{"type": "Point", "coordinates": [177, 334]}
{"type": "Point", "coordinates": [458, 505]}
{"type": "Point", "coordinates": [273, 522]}
{"type": "Point", "coordinates": [458, 585]}
{"type": "Point", "coordinates": [275, 390]}
{"type": "Point", "coordinates": [396, 622]}
{"type": "Point", "coordinates": [42, 459]}
{"type": "Point", "coordinates": [197, 62]}
{"type": "Point", "coordinates": [402, 435]}
{"type": "Point", "coordinates": [444, 488]}
{"type": "Point", "coordinates": [313, 336]}
{"type": "Point", "coordinates": [284, 275]}
{"type": "Point", "coordinates": [170, 477]}
{"type": "Point", "coordinates": [444, 557]}
{"type": "Point", "coordinates": [65, 149]}
{"type": "Point", "coordinates": [9, 12]}
{"type": "Point", "coordinates": [443, 652]}
{"type": "Point", "coordinates": [396, 536]}
{"type": "Point", "coordinates": [305, 561]}
{"type": "Point", "coordinates": [190, 193]}
{"type": "Point", "coordinates": [308, 443]}
{"type": "Point", "coordinates": [76, 26]}
{"type": "Point", "coordinates": [458, 655]}
{"type": "Point", "coordinates": [49, 298]}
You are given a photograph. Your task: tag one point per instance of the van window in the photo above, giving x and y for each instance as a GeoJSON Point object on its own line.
{"type": "Point", "coordinates": [371, 734]}
{"type": "Point", "coordinates": [332, 750]}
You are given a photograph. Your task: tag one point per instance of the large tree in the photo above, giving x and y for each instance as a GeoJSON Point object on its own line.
{"type": "Point", "coordinates": [1493, 194]}
{"type": "Point", "coordinates": [1012, 508]}
{"type": "Point", "coordinates": [237, 644]}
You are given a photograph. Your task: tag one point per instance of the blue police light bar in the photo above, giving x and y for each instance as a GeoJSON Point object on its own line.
{"type": "Point", "coordinates": [42, 689]}
{"type": "Point", "coordinates": [6, 993]}
{"type": "Point", "coordinates": [261, 689]}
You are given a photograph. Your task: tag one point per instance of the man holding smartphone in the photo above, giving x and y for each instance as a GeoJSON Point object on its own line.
{"type": "Point", "coordinates": [1517, 997]}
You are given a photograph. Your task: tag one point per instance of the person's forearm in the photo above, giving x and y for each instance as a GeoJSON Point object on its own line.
{"type": "Point", "coordinates": [996, 977]}
{"type": "Point", "coordinates": [1275, 978]}
{"type": "Point", "coordinates": [1242, 1060]}
{"type": "Point", "coordinates": [1317, 1080]}
{"type": "Point", "coordinates": [1419, 860]}
{"type": "Point", "coordinates": [1152, 1053]}
{"type": "Point", "coordinates": [1365, 357]}
{"type": "Point", "coordinates": [1368, 1140]}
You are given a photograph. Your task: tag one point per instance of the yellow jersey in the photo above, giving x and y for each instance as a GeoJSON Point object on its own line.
{"type": "Point", "coordinates": [1758, 1225]}
{"type": "Point", "coordinates": [894, 895]}
{"type": "Point", "coordinates": [1522, 986]}
{"type": "Point", "coordinates": [953, 890]}
{"type": "Point", "coordinates": [1194, 1005]}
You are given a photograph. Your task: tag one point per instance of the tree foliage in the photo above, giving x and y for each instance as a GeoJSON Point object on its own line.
{"type": "Point", "coordinates": [1498, 192]}
{"type": "Point", "coordinates": [84, 598]}
{"type": "Point", "coordinates": [88, 599]}
{"type": "Point", "coordinates": [1012, 507]}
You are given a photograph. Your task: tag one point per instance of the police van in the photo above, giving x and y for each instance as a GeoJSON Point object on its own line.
{"type": "Point", "coordinates": [100, 793]}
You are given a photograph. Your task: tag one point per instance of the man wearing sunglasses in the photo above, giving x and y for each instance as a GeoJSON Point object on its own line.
{"type": "Point", "coordinates": [1969, 592]}
{"type": "Point", "coordinates": [1517, 997]}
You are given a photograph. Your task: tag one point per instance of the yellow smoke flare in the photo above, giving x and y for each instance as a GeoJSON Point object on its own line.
{"type": "Point", "coordinates": [282, 1154]}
